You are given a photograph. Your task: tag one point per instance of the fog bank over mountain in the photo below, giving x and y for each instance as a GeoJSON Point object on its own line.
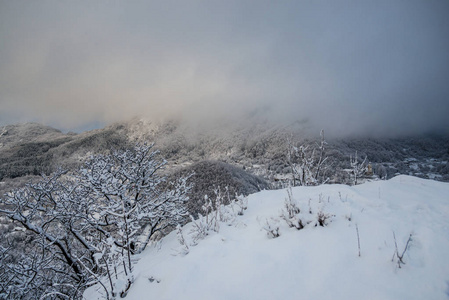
{"type": "Point", "coordinates": [364, 67]}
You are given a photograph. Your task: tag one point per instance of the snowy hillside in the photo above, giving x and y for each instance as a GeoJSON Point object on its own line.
{"type": "Point", "coordinates": [259, 148]}
{"type": "Point", "coordinates": [241, 260]}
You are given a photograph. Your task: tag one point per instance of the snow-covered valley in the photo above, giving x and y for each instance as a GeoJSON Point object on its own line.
{"type": "Point", "coordinates": [383, 220]}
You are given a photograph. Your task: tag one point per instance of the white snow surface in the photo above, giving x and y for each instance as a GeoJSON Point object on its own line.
{"type": "Point", "coordinates": [242, 262]}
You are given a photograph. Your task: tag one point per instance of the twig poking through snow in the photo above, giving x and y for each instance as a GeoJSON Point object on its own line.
{"type": "Point", "coordinates": [358, 237]}
{"type": "Point", "coordinates": [396, 253]}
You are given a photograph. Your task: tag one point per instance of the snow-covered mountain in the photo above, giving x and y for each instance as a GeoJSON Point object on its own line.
{"type": "Point", "coordinates": [379, 240]}
{"type": "Point", "coordinates": [230, 160]}
{"type": "Point", "coordinates": [259, 148]}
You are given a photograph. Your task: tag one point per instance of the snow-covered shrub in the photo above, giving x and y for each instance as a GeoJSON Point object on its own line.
{"type": "Point", "coordinates": [323, 218]}
{"type": "Point", "coordinates": [291, 212]}
{"type": "Point", "coordinates": [227, 213]}
{"type": "Point", "coordinates": [271, 226]}
{"type": "Point", "coordinates": [291, 206]}
{"type": "Point", "coordinates": [308, 166]}
{"type": "Point", "coordinates": [214, 212]}
{"type": "Point", "coordinates": [184, 246]}
{"type": "Point", "coordinates": [200, 228]}
{"type": "Point", "coordinates": [204, 223]}
{"type": "Point", "coordinates": [242, 204]}
{"type": "Point", "coordinates": [299, 215]}
{"type": "Point", "coordinates": [88, 224]}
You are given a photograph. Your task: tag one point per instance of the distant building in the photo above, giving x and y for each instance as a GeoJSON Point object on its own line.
{"type": "Point", "coordinates": [369, 170]}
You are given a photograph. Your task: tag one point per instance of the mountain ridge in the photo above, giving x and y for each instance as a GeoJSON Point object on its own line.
{"type": "Point", "coordinates": [259, 148]}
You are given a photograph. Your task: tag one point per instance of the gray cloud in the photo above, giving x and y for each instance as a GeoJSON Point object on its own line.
{"type": "Point", "coordinates": [357, 67]}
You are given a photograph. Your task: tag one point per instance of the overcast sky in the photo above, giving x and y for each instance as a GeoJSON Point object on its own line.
{"type": "Point", "coordinates": [376, 67]}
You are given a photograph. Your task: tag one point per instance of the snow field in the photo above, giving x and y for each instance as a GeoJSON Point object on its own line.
{"type": "Point", "coordinates": [242, 262]}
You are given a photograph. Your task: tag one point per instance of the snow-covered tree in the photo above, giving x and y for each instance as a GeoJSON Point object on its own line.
{"type": "Point", "coordinates": [308, 166]}
{"type": "Point", "coordinates": [87, 225]}
{"type": "Point", "coordinates": [52, 212]}
{"type": "Point", "coordinates": [358, 168]}
{"type": "Point", "coordinates": [134, 201]}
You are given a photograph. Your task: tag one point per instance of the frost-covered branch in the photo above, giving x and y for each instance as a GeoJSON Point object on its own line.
{"type": "Point", "coordinates": [308, 166]}
{"type": "Point", "coordinates": [88, 224]}
{"type": "Point", "coordinates": [358, 168]}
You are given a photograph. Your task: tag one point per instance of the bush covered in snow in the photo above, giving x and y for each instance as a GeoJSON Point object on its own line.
{"type": "Point", "coordinates": [85, 227]}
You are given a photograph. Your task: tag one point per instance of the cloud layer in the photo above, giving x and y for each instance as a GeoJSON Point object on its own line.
{"type": "Point", "coordinates": [376, 67]}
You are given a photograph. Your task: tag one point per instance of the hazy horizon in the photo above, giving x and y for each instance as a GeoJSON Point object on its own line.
{"type": "Point", "coordinates": [377, 68]}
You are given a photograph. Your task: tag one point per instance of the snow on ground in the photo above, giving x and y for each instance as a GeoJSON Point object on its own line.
{"type": "Point", "coordinates": [242, 262]}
